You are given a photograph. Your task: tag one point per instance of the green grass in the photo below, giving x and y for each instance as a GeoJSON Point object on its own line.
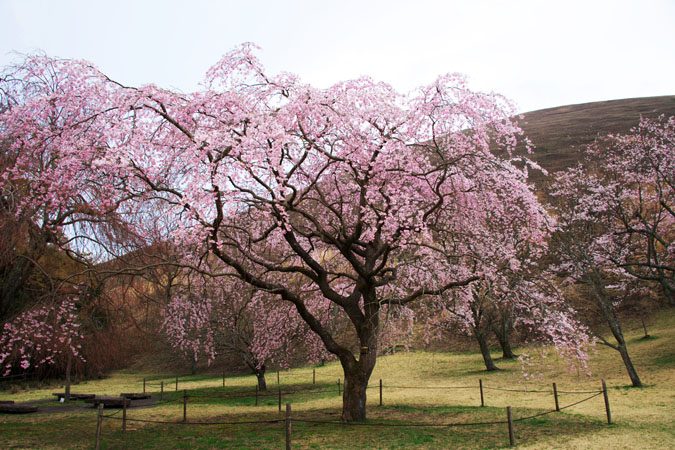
{"type": "Point", "coordinates": [642, 417]}
{"type": "Point", "coordinates": [78, 432]}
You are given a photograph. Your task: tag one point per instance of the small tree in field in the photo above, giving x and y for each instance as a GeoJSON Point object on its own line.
{"type": "Point", "coordinates": [626, 186]}
{"type": "Point", "coordinates": [638, 195]}
{"type": "Point", "coordinates": [43, 335]}
{"type": "Point", "coordinates": [208, 318]}
{"type": "Point", "coordinates": [506, 250]}
{"type": "Point", "coordinates": [340, 194]}
{"type": "Point", "coordinates": [581, 262]}
{"type": "Point", "coordinates": [616, 221]}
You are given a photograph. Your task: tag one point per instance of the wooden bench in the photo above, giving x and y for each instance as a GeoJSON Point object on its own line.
{"type": "Point", "coordinates": [109, 402]}
{"type": "Point", "coordinates": [12, 408]}
{"type": "Point", "coordinates": [135, 395]}
{"type": "Point", "coordinates": [61, 395]}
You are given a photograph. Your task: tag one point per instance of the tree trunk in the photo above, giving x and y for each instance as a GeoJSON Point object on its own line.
{"type": "Point", "coordinates": [354, 395]}
{"type": "Point", "coordinates": [607, 308]}
{"type": "Point", "coordinates": [260, 375]}
{"type": "Point", "coordinates": [365, 319]}
{"type": "Point", "coordinates": [615, 328]}
{"type": "Point", "coordinates": [485, 351]}
{"type": "Point", "coordinates": [623, 351]}
{"type": "Point", "coordinates": [505, 344]}
{"type": "Point", "coordinates": [501, 332]}
{"type": "Point", "coordinates": [69, 367]}
{"type": "Point", "coordinates": [357, 371]}
{"type": "Point", "coordinates": [632, 373]}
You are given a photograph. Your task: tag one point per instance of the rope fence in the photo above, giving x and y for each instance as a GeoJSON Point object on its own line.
{"type": "Point", "coordinates": [220, 394]}
{"type": "Point", "coordinates": [174, 422]}
{"type": "Point", "coordinates": [279, 393]}
{"type": "Point", "coordinates": [288, 420]}
{"type": "Point", "coordinates": [529, 391]}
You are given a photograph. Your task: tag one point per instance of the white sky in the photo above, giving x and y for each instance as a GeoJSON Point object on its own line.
{"type": "Point", "coordinates": [537, 53]}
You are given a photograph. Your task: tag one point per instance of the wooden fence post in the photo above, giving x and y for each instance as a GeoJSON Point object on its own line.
{"type": "Point", "coordinates": [279, 398]}
{"type": "Point", "coordinates": [124, 416]}
{"type": "Point", "coordinates": [144, 385]}
{"type": "Point", "coordinates": [223, 378]}
{"type": "Point", "coordinates": [380, 391]}
{"type": "Point", "coordinates": [185, 405]}
{"type": "Point", "coordinates": [176, 384]}
{"type": "Point", "coordinates": [555, 396]}
{"type": "Point", "coordinates": [482, 399]}
{"type": "Point", "coordinates": [509, 419]}
{"type": "Point", "coordinates": [99, 422]}
{"type": "Point", "coordinates": [604, 392]}
{"type": "Point", "coordinates": [288, 426]}
{"type": "Point", "coordinates": [339, 391]}
{"type": "Point", "coordinates": [161, 391]}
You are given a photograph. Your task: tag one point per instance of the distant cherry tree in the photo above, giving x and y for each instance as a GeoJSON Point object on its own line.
{"type": "Point", "coordinates": [639, 178]}
{"type": "Point", "coordinates": [514, 292]}
{"type": "Point", "coordinates": [43, 335]}
{"type": "Point", "coordinates": [626, 188]}
{"type": "Point", "coordinates": [209, 318]}
{"type": "Point", "coordinates": [581, 248]}
{"type": "Point", "coordinates": [616, 222]}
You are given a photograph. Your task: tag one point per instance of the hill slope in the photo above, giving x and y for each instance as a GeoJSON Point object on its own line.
{"type": "Point", "coordinates": [560, 133]}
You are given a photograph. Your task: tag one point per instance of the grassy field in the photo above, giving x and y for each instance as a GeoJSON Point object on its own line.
{"type": "Point", "coordinates": [446, 392]}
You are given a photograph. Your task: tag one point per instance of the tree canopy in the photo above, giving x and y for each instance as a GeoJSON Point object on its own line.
{"type": "Point", "coordinates": [354, 196]}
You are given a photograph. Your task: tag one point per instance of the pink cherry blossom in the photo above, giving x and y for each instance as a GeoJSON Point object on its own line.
{"type": "Point", "coordinates": [340, 206]}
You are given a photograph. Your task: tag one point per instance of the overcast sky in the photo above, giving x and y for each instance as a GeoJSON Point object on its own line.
{"type": "Point", "coordinates": [537, 53]}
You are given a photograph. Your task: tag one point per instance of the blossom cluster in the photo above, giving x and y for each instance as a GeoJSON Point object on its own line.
{"type": "Point", "coordinates": [40, 336]}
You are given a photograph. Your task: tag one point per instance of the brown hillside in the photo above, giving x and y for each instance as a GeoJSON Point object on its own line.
{"type": "Point", "coordinates": [560, 133]}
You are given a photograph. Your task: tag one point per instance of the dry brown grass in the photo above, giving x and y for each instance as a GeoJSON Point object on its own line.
{"type": "Point", "coordinates": [559, 134]}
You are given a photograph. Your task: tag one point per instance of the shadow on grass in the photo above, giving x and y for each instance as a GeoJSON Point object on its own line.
{"type": "Point", "coordinates": [628, 387]}
{"type": "Point", "coordinates": [393, 427]}
{"type": "Point", "coordinates": [500, 370]}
